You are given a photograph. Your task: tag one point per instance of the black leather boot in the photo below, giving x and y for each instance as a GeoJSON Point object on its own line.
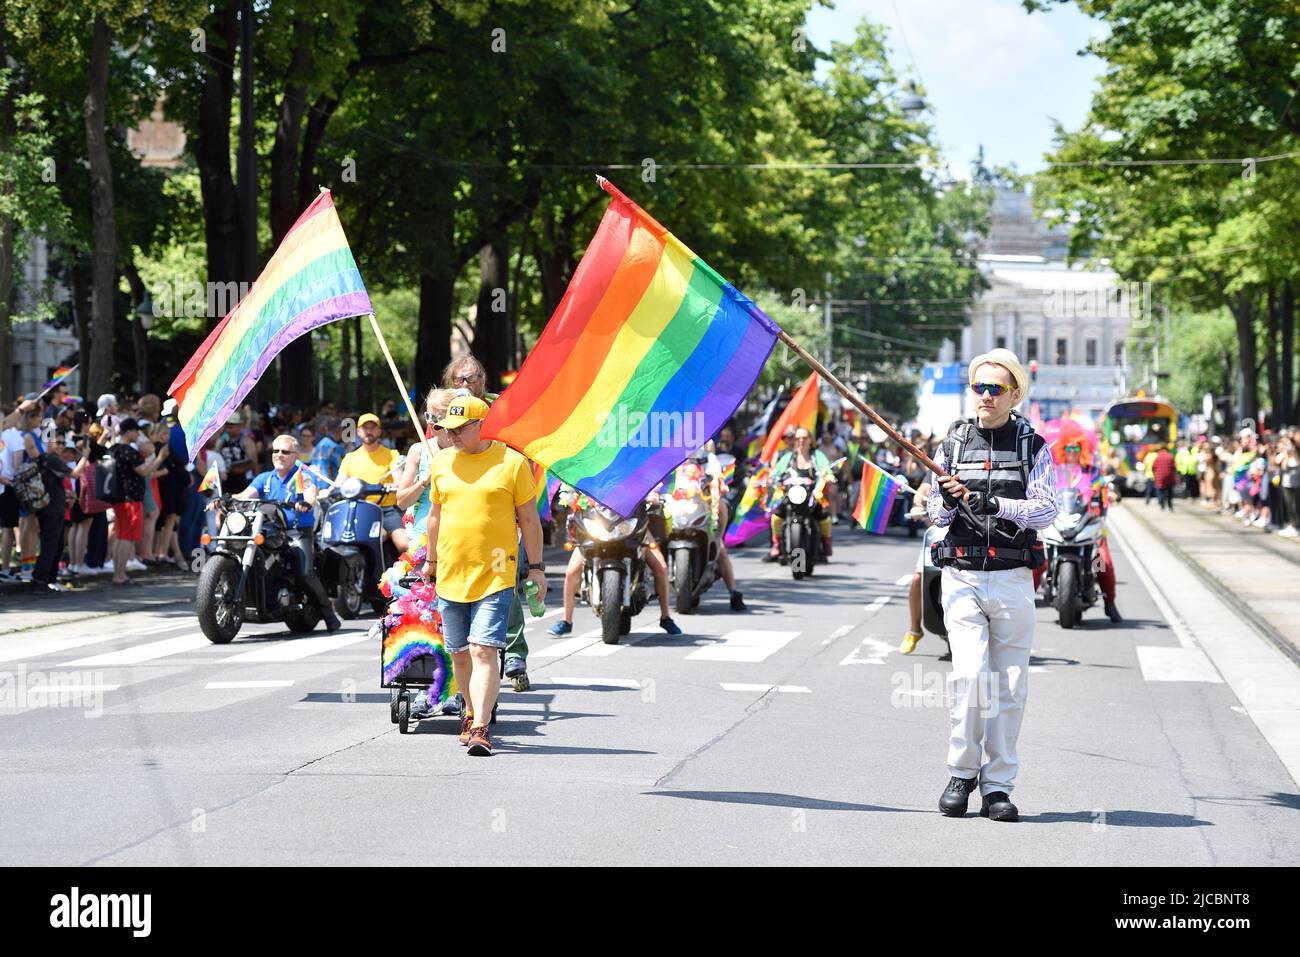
{"type": "Point", "coordinates": [955, 798]}
{"type": "Point", "coordinates": [998, 807]}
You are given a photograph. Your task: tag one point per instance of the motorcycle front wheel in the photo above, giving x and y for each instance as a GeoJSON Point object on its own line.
{"type": "Point", "coordinates": [684, 600]}
{"type": "Point", "coordinates": [611, 605]}
{"type": "Point", "coordinates": [219, 617]}
{"type": "Point", "coordinates": [1066, 585]}
{"type": "Point", "coordinates": [351, 589]}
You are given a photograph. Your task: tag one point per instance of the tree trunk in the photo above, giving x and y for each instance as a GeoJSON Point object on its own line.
{"type": "Point", "coordinates": [139, 337]}
{"type": "Point", "coordinates": [1287, 404]}
{"type": "Point", "coordinates": [433, 338]}
{"type": "Point", "coordinates": [103, 218]}
{"type": "Point", "coordinates": [1243, 312]}
{"type": "Point", "coordinates": [222, 221]}
{"type": "Point", "coordinates": [6, 297]}
{"type": "Point", "coordinates": [363, 377]}
{"type": "Point", "coordinates": [491, 317]}
{"type": "Point", "coordinates": [295, 381]}
{"type": "Point", "coordinates": [345, 369]}
{"type": "Point", "coordinates": [1276, 397]}
{"type": "Point", "coordinates": [6, 246]}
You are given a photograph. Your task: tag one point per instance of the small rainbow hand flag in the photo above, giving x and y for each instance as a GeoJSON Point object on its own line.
{"type": "Point", "coordinates": [299, 481]}
{"type": "Point", "coordinates": [311, 280]}
{"type": "Point", "coordinates": [876, 498]}
{"type": "Point", "coordinates": [61, 373]}
{"type": "Point", "coordinates": [212, 479]}
{"type": "Point", "coordinates": [649, 353]}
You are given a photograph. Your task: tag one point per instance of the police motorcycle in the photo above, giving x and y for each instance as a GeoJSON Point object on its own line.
{"type": "Point", "coordinates": [249, 575]}
{"type": "Point", "coordinates": [695, 533]}
{"type": "Point", "coordinates": [1073, 543]}
{"type": "Point", "coordinates": [614, 570]}
{"type": "Point", "coordinates": [352, 549]}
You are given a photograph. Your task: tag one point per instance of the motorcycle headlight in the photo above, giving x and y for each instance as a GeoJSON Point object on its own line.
{"type": "Point", "coordinates": [350, 487]}
{"type": "Point", "coordinates": [236, 523]}
{"type": "Point", "coordinates": [797, 495]}
{"type": "Point", "coordinates": [1072, 520]}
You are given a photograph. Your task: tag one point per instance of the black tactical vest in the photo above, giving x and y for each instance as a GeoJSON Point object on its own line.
{"type": "Point", "coordinates": [996, 463]}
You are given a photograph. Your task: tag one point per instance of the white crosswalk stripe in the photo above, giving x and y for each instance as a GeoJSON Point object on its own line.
{"type": "Point", "coordinates": [745, 645]}
{"type": "Point", "coordinates": [138, 654]}
{"type": "Point", "coordinates": [298, 648]}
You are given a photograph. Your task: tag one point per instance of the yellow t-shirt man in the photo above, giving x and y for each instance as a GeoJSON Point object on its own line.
{"type": "Point", "coordinates": [373, 465]}
{"type": "Point", "coordinates": [478, 547]}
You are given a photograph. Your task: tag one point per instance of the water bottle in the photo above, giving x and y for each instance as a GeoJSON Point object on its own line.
{"type": "Point", "coordinates": [535, 604]}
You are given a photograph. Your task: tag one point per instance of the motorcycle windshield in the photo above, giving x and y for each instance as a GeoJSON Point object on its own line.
{"type": "Point", "coordinates": [1075, 477]}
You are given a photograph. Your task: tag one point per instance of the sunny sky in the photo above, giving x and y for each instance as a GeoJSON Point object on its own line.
{"type": "Point", "coordinates": [991, 73]}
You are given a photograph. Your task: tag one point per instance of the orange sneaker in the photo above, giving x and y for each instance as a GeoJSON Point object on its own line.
{"type": "Point", "coordinates": [465, 724]}
{"type": "Point", "coordinates": [480, 746]}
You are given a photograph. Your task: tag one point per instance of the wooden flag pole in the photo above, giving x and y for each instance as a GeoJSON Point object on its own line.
{"type": "Point", "coordinates": [856, 401]}
{"type": "Point", "coordinates": [401, 387]}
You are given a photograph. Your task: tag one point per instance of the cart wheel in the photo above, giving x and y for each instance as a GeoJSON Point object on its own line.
{"type": "Point", "coordinates": [393, 695]}
{"type": "Point", "coordinates": [404, 713]}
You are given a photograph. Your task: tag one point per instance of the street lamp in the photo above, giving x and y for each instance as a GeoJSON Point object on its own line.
{"type": "Point", "coordinates": [144, 313]}
{"type": "Point", "coordinates": [911, 102]}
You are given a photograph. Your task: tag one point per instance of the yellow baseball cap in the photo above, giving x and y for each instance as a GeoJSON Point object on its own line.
{"type": "Point", "coordinates": [368, 417]}
{"type": "Point", "coordinates": [463, 408]}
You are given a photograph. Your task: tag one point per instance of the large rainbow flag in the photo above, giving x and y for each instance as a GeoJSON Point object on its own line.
{"type": "Point", "coordinates": [876, 497]}
{"type": "Point", "coordinates": [311, 280]}
{"type": "Point", "coordinates": [647, 356]}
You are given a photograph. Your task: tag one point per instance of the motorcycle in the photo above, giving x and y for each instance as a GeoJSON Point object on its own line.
{"type": "Point", "coordinates": [932, 585]}
{"type": "Point", "coordinates": [352, 550]}
{"type": "Point", "coordinates": [801, 539]}
{"type": "Point", "coordinates": [694, 539]}
{"type": "Point", "coordinates": [614, 569]}
{"type": "Point", "coordinates": [249, 574]}
{"type": "Point", "coordinates": [1072, 543]}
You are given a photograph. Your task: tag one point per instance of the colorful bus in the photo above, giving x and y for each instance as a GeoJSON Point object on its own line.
{"type": "Point", "coordinates": [1133, 428]}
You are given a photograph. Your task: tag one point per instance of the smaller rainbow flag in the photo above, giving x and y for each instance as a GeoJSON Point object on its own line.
{"type": "Point", "coordinates": [212, 479]}
{"type": "Point", "coordinates": [876, 498]}
{"type": "Point", "coordinates": [299, 482]}
{"type": "Point", "coordinates": [61, 373]}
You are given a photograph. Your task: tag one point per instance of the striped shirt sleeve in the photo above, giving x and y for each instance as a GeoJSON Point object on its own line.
{"type": "Point", "coordinates": [939, 513]}
{"type": "Point", "coordinates": [1038, 508]}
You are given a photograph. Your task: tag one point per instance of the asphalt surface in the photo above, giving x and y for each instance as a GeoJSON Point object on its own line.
{"type": "Point", "coordinates": [795, 733]}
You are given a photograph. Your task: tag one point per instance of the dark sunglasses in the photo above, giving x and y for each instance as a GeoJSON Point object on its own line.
{"type": "Point", "coordinates": [283, 451]}
{"type": "Point", "coordinates": [432, 417]}
{"type": "Point", "coordinates": [989, 388]}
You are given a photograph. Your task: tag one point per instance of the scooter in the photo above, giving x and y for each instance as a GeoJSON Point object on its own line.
{"type": "Point", "coordinates": [614, 569]}
{"type": "Point", "coordinates": [351, 548]}
{"type": "Point", "coordinates": [694, 539]}
{"type": "Point", "coordinates": [1072, 543]}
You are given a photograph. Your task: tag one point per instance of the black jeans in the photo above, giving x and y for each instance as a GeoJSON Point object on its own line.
{"type": "Point", "coordinates": [52, 527]}
{"type": "Point", "coordinates": [303, 543]}
{"type": "Point", "coordinates": [1165, 496]}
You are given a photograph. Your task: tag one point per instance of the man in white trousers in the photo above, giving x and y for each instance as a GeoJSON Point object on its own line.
{"type": "Point", "coordinates": [998, 491]}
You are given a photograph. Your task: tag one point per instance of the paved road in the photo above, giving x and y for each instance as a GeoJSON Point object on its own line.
{"type": "Point", "coordinates": [793, 734]}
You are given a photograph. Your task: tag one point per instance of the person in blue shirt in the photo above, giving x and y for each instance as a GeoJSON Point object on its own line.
{"type": "Point", "coordinates": [327, 456]}
{"type": "Point", "coordinates": [278, 485]}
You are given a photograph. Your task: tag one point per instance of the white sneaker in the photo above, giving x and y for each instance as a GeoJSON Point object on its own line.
{"type": "Point", "coordinates": [107, 566]}
{"type": "Point", "coordinates": [1260, 523]}
{"type": "Point", "coordinates": [1288, 532]}
{"type": "Point", "coordinates": [135, 565]}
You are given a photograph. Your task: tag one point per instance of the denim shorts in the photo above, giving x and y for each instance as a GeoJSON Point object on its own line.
{"type": "Point", "coordinates": [481, 622]}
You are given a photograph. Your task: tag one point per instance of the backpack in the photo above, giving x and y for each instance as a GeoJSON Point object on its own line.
{"type": "Point", "coordinates": [108, 483]}
{"type": "Point", "coordinates": [87, 497]}
{"type": "Point", "coordinates": [31, 491]}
